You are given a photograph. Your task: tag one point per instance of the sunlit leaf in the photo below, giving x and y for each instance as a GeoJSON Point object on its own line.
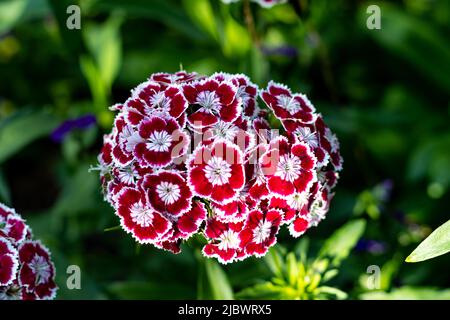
{"type": "Point", "coordinates": [10, 13]}
{"type": "Point", "coordinates": [436, 244]}
{"type": "Point", "coordinates": [330, 291]}
{"type": "Point", "coordinates": [267, 291]}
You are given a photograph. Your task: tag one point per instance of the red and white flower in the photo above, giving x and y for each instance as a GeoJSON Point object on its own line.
{"type": "Point", "coordinates": [174, 78]}
{"type": "Point", "coordinates": [26, 270]}
{"type": "Point", "coordinates": [37, 270]}
{"type": "Point", "coordinates": [189, 223]}
{"type": "Point", "coordinates": [286, 105]}
{"type": "Point", "coordinates": [289, 168]}
{"type": "Point", "coordinates": [225, 242]}
{"type": "Point", "coordinates": [260, 230]}
{"type": "Point", "coordinates": [152, 98]}
{"type": "Point", "coordinates": [13, 228]}
{"type": "Point", "coordinates": [162, 142]}
{"type": "Point", "coordinates": [144, 223]}
{"type": "Point", "coordinates": [216, 172]}
{"type": "Point", "coordinates": [168, 192]}
{"type": "Point", "coordinates": [212, 101]}
{"type": "Point", "coordinates": [8, 262]}
{"type": "Point", "coordinates": [236, 210]}
{"type": "Point", "coordinates": [190, 155]}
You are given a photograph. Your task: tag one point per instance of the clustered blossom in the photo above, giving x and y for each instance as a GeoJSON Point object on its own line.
{"type": "Point", "coordinates": [262, 3]}
{"type": "Point", "coordinates": [26, 270]}
{"type": "Point", "coordinates": [190, 154]}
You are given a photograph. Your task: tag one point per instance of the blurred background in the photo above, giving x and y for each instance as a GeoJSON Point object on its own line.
{"type": "Point", "coordinates": [384, 92]}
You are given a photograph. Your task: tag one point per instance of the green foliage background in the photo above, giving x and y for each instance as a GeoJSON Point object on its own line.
{"type": "Point", "coordinates": [384, 92]}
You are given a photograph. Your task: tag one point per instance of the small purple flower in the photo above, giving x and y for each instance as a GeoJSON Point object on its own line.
{"type": "Point", "coordinates": [384, 190]}
{"type": "Point", "coordinates": [371, 246]}
{"type": "Point", "coordinates": [285, 51]}
{"type": "Point", "coordinates": [81, 123]}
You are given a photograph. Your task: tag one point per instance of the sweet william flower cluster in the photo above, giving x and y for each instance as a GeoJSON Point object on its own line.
{"type": "Point", "coordinates": [190, 154]}
{"type": "Point", "coordinates": [26, 270]}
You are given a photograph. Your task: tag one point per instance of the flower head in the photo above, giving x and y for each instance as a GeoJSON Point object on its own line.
{"type": "Point", "coordinates": [190, 154]}
{"type": "Point", "coordinates": [26, 270]}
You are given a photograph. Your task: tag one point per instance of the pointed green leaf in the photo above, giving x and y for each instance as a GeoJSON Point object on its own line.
{"type": "Point", "coordinates": [436, 244]}
{"type": "Point", "coordinates": [342, 241]}
{"type": "Point", "coordinates": [217, 280]}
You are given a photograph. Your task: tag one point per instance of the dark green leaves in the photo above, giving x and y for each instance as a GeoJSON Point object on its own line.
{"type": "Point", "coordinates": [23, 128]}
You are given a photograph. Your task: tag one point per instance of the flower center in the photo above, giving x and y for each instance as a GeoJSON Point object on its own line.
{"type": "Point", "coordinates": [217, 171]}
{"type": "Point", "coordinates": [289, 103]}
{"type": "Point", "coordinates": [140, 215]}
{"type": "Point", "coordinates": [225, 130]}
{"type": "Point", "coordinates": [40, 268]}
{"type": "Point", "coordinates": [229, 240]}
{"type": "Point", "coordinates": [288, 168]}
{"type": "Point", "coordinates": [305, 134]}
{"type": "Point", "coordinates": [159, 141]}
{"type": "Point", "coordinates": [297, 201]}
{"type": "Point", "coordinates": [128, 175]}
{"type": "Point", "coordinates": [262, 232]}
{"type": "Point", "coordinates": [243, 95]}
{"type": "Point", "coordinates": [159, 100]}
{"type": "Point", "coordinates": [168, 192]}
{"type": "Point", "coordinates": [208, 100]}
{"type": "Point", "coordinates": [129, 138]}
{"type": "Point", "coordinates": [132, 141]}
{"type": "Point", "coordinates": [12, 292]}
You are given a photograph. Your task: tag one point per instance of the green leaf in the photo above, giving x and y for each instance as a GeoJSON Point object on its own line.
{"type": "Point", "coordinates": [10, 13]}
{"type": "Point", "coordinates": [236, 40]}
{"type": "Point", "coordinates": [342, 241]}
{"type": "Point", "coordinates": [213, 281]}
{"type": "Point", "coordinates": [292, 269]}
{"type": "Point", "coordinates": [301, 249]}
{"type": "Point", "coordinates": [330, 274]}
{"type": "Point", "coordinates": [258, 66]}
{"type": "Point", "coordinates": [105, 44]}
{"type": "Point", "coordinates": [274, 261]}
{"type": "Point", "coordinates": [436, 244]}
{"type": "Point", "coordinates": [202, 14]}
{"type": "Point", "coordinates": [267, 291]}
{"type": "Point", "coordinates": [330, 291]}
{"type": "Point", "coordinates": [23, 128]}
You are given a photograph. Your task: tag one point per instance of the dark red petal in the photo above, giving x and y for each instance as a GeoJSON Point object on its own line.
{"type": "Point", "coordinates": [199, 182]}
{"type": "Point", "coordinates": [201, 119]}
{"type": "Point", "coordinates": [279, 186]}
{"type": "Point", "coordinates": [303, 181]}
{"type": "Point", "coordinates": [222, 193]}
